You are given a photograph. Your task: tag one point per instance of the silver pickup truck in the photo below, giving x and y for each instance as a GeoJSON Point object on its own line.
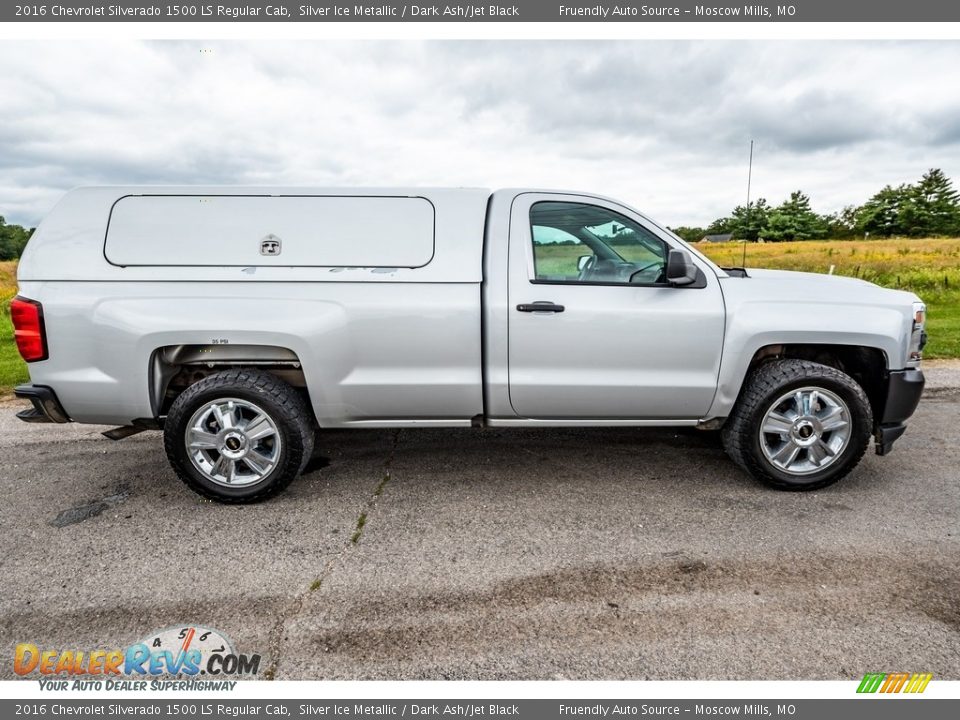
{"type": "Point", "coordinates": [242, 321]}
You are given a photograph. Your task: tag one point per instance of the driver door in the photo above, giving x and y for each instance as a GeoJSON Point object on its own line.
{"type": "Point", "coordinates": [595, 332]}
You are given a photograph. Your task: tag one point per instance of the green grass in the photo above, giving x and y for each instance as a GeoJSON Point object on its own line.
{"type": "Point", "coordinates": [378, 491]}
{"type": "Point", "coordinates": [13, 370]}
{"type": "Point", "coordinates": [943, 324]}
{"type": "Point", "coordinates": [358, 532]}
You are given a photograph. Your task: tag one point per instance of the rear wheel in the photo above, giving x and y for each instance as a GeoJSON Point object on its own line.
{"type": "Point", "coordinates": [238, 436]}
{"type": "Point", "coordinates": [799, 425]}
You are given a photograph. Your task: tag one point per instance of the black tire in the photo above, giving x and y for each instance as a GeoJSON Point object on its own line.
{"type": "Point", "coordinates": [277, 399]}
{"type": "Point", "coordinates": [741, 433]}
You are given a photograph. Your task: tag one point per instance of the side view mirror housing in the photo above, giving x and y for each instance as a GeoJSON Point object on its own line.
{"type": "Point", "coordinates": [680, 268]}
{"type": "Point", "coordinates": [583, 262]}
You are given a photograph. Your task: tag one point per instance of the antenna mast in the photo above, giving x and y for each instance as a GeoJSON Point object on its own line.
{"type": "Point", "coordinates": [743, 262]}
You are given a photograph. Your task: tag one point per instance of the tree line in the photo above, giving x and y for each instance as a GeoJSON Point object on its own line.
{"type": "Point", "coordinates": [928, 208]}
{"type": "Point", "coordinates": [13, 239]}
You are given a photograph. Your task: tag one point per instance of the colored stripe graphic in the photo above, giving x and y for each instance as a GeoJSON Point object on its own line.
{"type": "Point", "coordinates": [918, 683]}
{"type": "Point", "coordinates": [871, 682]}
{"type": "Point", "coordinates": [894, 682]}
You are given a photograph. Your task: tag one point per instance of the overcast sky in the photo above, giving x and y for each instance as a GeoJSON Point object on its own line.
{"type": "Point", "coordinates": [663, 126]}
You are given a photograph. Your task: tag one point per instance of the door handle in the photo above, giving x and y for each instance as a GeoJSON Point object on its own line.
{"type": "Point", "coordinates": [540, 306]}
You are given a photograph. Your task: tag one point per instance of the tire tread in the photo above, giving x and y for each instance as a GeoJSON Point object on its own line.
{"type": "Point", "coordinates": [768, 379]}
{"type": "Point", "coordinates": [289, 405]}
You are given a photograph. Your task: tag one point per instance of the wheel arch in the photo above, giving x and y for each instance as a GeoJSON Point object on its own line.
{"type": "Point", "coordinates": [867, 365]}
{"type": "Point", "coordinates": [174, 368]}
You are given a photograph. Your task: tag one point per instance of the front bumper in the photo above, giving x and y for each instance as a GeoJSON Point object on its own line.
{"type": "Point", "coordinates": [46, 406]}
{"type": "Point", "coordinates": [904, 388]}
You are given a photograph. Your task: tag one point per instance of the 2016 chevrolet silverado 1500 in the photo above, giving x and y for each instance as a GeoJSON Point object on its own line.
{"type": "Point", "coordinates": [242, 321]}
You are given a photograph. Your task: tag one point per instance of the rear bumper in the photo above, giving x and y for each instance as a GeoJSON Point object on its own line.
{"type": "Point", "coordinates": [46, 407]}
{"type": "Point", "coordinates": [904, 388]}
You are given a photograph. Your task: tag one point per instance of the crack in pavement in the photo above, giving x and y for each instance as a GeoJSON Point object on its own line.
{"type": "Point", "coordinates": [296, 605]}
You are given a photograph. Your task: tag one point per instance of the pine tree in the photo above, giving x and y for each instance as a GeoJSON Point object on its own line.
{"type": "Point", "coordinates": [881, 214]}
{"type": "Point", "coordinates": [841, 224]}
{"type": "Point", "coordinates": [748, 222]}
{"type": "Point", "coordinates": [794, 220]}
{"type": "Point", "coordinates": [935, 206]}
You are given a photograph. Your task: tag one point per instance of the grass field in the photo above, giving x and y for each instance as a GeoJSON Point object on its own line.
{"type": "Point", "coordinates": [928, 267]}
{"type": "Point", "coordinates": [12, 369]}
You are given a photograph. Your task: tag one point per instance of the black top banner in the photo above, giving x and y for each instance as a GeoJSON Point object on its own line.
{"type": "Point", "coordinates": [518, 11]}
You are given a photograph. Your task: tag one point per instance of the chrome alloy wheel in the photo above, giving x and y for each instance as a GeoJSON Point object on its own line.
{"type": "Point", "coordinates": [805, 430]}
{"type": "Point", "coordinates": [233, 442]}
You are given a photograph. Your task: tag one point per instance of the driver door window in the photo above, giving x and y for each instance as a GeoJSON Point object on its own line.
{"type": "Point", "coordinates": [580, 243]}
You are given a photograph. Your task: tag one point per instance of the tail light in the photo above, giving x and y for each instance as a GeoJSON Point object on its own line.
{"type": "Point", "coordinates": [31, 337]}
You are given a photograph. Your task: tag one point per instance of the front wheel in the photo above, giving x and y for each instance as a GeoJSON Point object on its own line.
{"type": "Point", "coordinates": [799, 425]}
{"type": "Point", "coordinates": [238, 436]}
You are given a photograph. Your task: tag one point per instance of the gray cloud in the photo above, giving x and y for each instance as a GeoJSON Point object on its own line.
{"type": "Point", "coordinates": [663, 125]}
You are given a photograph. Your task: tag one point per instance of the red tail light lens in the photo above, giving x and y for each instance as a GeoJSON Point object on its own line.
{"type": "Point", "coordinates": [27, 316]}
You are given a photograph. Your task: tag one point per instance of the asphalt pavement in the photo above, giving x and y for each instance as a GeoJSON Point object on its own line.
{"type": "Point", "coordinates": [497, 554]}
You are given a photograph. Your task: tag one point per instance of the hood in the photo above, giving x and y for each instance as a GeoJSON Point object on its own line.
{"type": "Point", "coordinates": [772, 307]}
{"type": "Point", "coordinates": [789, 285]}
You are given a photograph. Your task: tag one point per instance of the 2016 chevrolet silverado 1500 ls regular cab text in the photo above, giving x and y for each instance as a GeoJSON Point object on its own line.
{"type": "Point", "coordinates": [242, 321]}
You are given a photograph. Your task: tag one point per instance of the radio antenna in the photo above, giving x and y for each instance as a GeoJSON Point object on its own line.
{"type": "Point", "coordinates": [743, 262]}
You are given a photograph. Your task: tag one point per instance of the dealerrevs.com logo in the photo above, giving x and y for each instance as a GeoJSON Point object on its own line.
{"type": "Point", "coordinates": [181, 651]}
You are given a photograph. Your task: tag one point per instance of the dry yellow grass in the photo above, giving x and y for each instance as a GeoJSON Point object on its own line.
{"type": "Point", "coordinates": [916, 264]}
{"type": "Point", "coordinates": [929, 267]}
{"type": "Point", "coordinates": [8, 280]}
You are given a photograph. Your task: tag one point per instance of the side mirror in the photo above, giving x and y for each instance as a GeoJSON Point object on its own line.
{"type": "Point", "coordinates": [583, 262]}
{"type": "Point", "coordinates": [680, 268]}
